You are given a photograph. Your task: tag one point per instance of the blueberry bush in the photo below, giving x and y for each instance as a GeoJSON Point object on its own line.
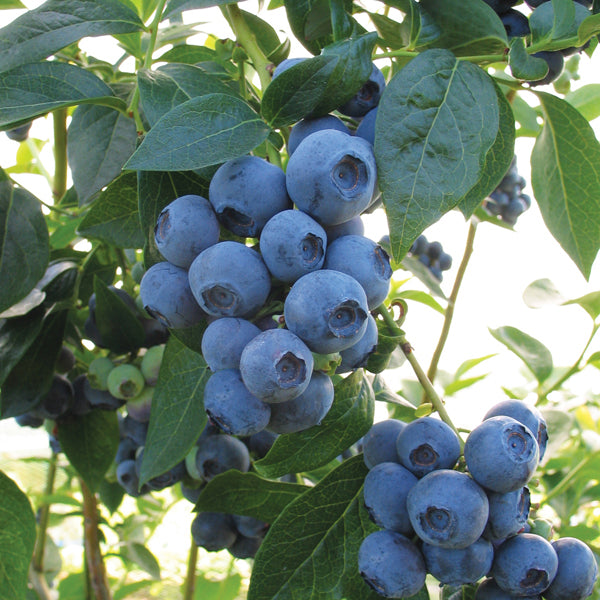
{"type": "Point", "coordinates": [200, 316]}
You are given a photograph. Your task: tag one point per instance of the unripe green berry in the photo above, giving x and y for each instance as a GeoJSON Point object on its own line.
{"type": "Point", "coordinates": [151, 362]}
{"type": "Point", "coordinates": [137, 272]}
{"type": "Point", "coordinates": [190, 465]}
{"type": "Point", "coordinates": [125, 382]}
{"type": "Point", "coordinates": [98, 372]}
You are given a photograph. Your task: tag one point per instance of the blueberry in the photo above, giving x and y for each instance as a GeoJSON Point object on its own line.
{"type": "Point", "coordinates": [230, 279]}
{"type": "Point", "coordinates": [168, 478]}
{"type": "Point", "coordinates": [150, 365]}
{"type": "Point", "coordinates": [391, 564]}
{"type": "Point", "coordinates": [223, 341]}
{"type": "Point", "coordinates": [366, 128]}
{"type": "Point", "coordinates": [250, 526]}
{"type": "Point", "coordinates": [125, 381]}
{"type": "Point", "coordinates": [367, 97]}
{"type": "Point", "coordinates": [213, 531]}
{"type": "Point", "coordinates": [525, 564]}
{"type": "Point", "coordinates": [419, 246]}
{"type": "Point", "coordinates": [448, 509]}
{"type": "Point", "coordinates": [292, 244]}
{"type": "Point", "coordinates": [515, 23]}
{"type": "Point", "coordinates": [434, 250]}
{"type": "Point", "coordinates": [366, 261]}
{"type": "Point", "coordinates": [535, 3]}
{"type": "Point", "coordinates": [98, 371]}
{"type": "Point", "coordinates": [306, 410]}
{"type": "Point", "coordinates": [459, 566]}
{"type": "Point", "coordinates": [556, 63]}
{"type": "Point", "coordinates": [501, 454]}
{"type": "Point", "coordinates": [246, 192]}
{"type": "Point", "coordinates": [100, 399]}
{"type": "Point", "coordinates": [139, 408]}
{"type": "Point", "coordinates": [385, 491]}
{"type": "Point", "coordinates": [166, 294]}
{"type": "Point", "coordinates": [332, 176]}
{"type": "Point", "coordinates": [19, 134]}
{"type": "Point", "coordinates": [260, 443]}
{"type": "Point", "coordinates": [276, 365]}
{"type": "Point", "coordinates": [29, 419]}
{"type": "Point", "coordinates": [327, 310]}
{"type": "Point", "coordinates": [526, 414]}
{"type": "Point", "coordinates": [219, 453]}
{"type": "Point", "coordinates": [577, 571]}
{"type": "Point", "coordinates": [65, 360]}
{"type": "Point", "coordinates": [354, 226]}
{"type": "Point", "coordinates": [358, 354]}
{"type": "Point", "coordinates": [285, 64]}
{"type": "Point", "coordinates": [305, 127]}
{"type": "Point", "coordinates": [81, 404]}
{"type": "Point", "coordinates": [231, 406]}
{"type": "Point", "coordinates": [427, 444]}
{"type": "Point", "coordinates": [184, 228]}
{"type": "Point", "coordinates": [244, 547]}
{"type": "Point", "coordinates": [135, 430]}
{"type": "Point", "coordinates": [379, 443]}
{"type": "Point", "coordinates": [128, 478]}
{"type": "Point", "coordinates": [57, 401]}
{"type": "Point", "coordinates": [488, 590]}
{"type": "Point", "coordinates": [191, 494]}
{"type": "Point", "coordinates": [508, 513]}
{"type": "Point", "coordinates": [126, 450]}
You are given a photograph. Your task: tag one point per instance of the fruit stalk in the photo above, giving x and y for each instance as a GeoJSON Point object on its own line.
{"type": "Point", "coordinates": [93, 554]}
{"type": "Point", "coordinates": [40, 541]}
{"type": "Point", "coordinates": [190, 577]}
{"type": "Point", "coordinates": [59, 181]}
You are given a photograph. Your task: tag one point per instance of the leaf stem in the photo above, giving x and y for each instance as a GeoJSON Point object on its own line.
{"type": "Point", "coordinates": [40, 540]}
{"type": "Point", "coordinates": [449, 313]}
{"type": "Point", "coordinates": [59, 181]}
{"type": "Point", "coordinates": [93, 554]}
{"type": "Point", "coordinates": [153, 33]}
{"type": "Point", "coordinates": [190, 576]}
{"type": "Point", "coordinates": [247, 39]}
{"type": "Point", "coordinates": [407, 350]}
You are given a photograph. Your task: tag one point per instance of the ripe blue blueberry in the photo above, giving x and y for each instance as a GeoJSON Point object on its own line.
{"type": "Point", "coordinates": [184, 228]}
{"type": "Point", "coordinates": [292, 244]}
{"type": "Point", "coordinates": [276, 365]}
{"type": "Point", "coordinates": [19, 134]}
{"type": "Point", "coordinates": [379, 443]}
{"type": "Point", "coordinates": [223, 341]}
{"type": "Point", "coordinates": [515, 23]}
{"type": "Point", "coordinates": [508, 513]}
{"type": "Point", "coordinates": [366, 128]}
{"type": "Point", "coordinates": [385, 491]}
{"type": "Point", "coordinates": [459, 566]}
{"type": "Point", "coordinates": [305, 127]}
{"type": "Point", "coordinates": [391, 564]}
{"type": "Point", "coordinates": [427, 444]}
{"type": "Point", "coordinates": [366, 261]}
{"type": "Point", "coordinates": [332, 176]}
{"type": "Point", "coordinates": [577, 571]}
{"type": "Point", "coordinates": [448, 509]}
{"type": "Point", "coordinates": [525, 564]}
{"type": "Point", "coordinates": [166, 295]}
{"type": "Point", "coordinates": [230, 405]}
{"type": "Point", "coordinates": [555, 62]}
{"type": "Point", "coordinates": [327, 310]}
{"type": "Point", "coordinates": [128, 478]}
{"type": "Point", "coordinates": [58, 400]}
{"type": "Point", "coordinates": [250, 526]}
{"type": "Point", "coordinates": [230, 279]}
{"type": "Point", "coordinates": [501, 454]}
{"type": "Point", "coordinates": [354, 226]}
{"type": "Point", "coordinates": [306, 410]}
{"type": "Point", "coordinates": [246, 192]}
{"type": "Point", "coordinates": [358, 354]}
{"type": "Point", "coordinates": [367, 97]}
{"type": "Point", "coordinates": [213, 531]}
{"type": "Point", "coordinates": [488, 590]}
{"type": "Point", "coordinates": [285, 64]}
{"type": "Point", "coordinates": [218, 453]}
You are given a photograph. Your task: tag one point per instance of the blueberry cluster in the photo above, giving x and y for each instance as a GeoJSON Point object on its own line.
{"type": "Point", "coordinates": [507, 201]}
{"type": "Point", "coordinates": [295, 245]}
{"type": "Point", "coordinates": [432, 255]}
{"type": "Point", "coordinates": [464, 527]}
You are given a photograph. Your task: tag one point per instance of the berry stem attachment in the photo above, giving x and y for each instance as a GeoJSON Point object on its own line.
{"type": "Point", "coordinates": [449, 314]}
{"type": "Point", "coordinates": [189, 585]}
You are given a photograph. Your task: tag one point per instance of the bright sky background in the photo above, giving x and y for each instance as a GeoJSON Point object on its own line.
{"type": "Point", "coordinates": [503, 263]}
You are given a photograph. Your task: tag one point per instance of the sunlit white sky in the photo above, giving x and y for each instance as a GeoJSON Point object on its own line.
{"type": "Point", "coordinates": [503, 264]}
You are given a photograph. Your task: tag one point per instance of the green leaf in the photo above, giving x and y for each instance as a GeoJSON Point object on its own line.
{"type": "Point", "coordinates": [461, 384]}
{"type": "Point", "coordinates": [348, 420]}
{"type": "Point", "coordinates": [437, 120]}
{"type": "Point", "coordinates": [119, 326]}
{"type": "Point", "coordinates": [203, 131]}
{"type": "Point", "coordinates": [100, 140]}
{"type": "Point", "coordinates": [225, 589]}
{"type": "Point", "coordinates": [57, 23]}
{"type": "Point", "coordinates": [174, 7]}
{"type": "Point", "coordinates": [542, 292]}
{"type": "Point", "coordinates": [552, 23]}
{"type": "Point", "coordinates": [155, 191]}
{"type": "Point", "coordinates": [531, 351]}
{"type": "Point", "coordinates": [189, 54]}
{"type": "Point", "coordinates": [311, 551]}
{"type": "Point", "coordinates": [24, 250]}
{"type": "Point", "coordinates": [39, 88]}
{"type": "Point", "coordinates": [468, 27]}
{"type": "Point", "coordinates": [177, 417]}
{"type": "Point", "coordinates": [11, 4]}
{"type": "Point", "coordinates": [17, 538]}
{"type": "Point", "coordinates": [565, 176]}
{"type": "Point", "coordinates": [142, 557]}
{"type": "Point", "coordinates": [319, 85]}
{"type": "Point", "coordinates": [266, 37]}
{"type": "Point", "coordinates": [590, 303]}
{"type": "Point", "coordinates": [30, 379]}
{"type": "Point", "coordinates": [114, 217]}
{"type": "Point", "coordinates": [586, 100]}
{"type": "Point", "coordinates": [589, 27]}
{"type": "Point", "coordinates": [526, 117]}
{"type": "Point", "coordinates": [247, 494]}
{"type": "Point", "coordinates": [90, 443]}
{"type": "Point", "coordinates": [172, 85]}
{"type": "Point", "coordinates": [523, 65]}
{"type": "Point", "coordinates": [16, 336]}
{"type": "Point", "coordinates": [127, 590]}
{"type": "Point", "coordinates": [423, 298]}
{"type": "Point", "coordinates": [469, 364]}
